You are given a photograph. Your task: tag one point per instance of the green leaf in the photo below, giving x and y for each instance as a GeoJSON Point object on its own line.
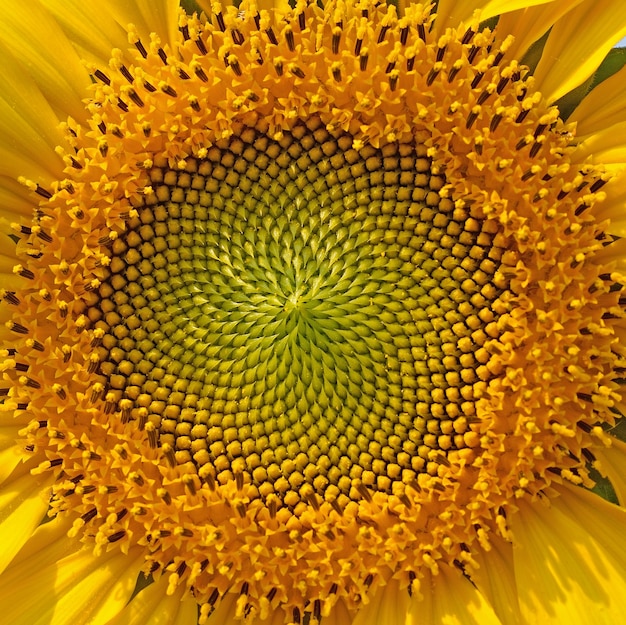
{"type": "Point", "coordinates": [190, 6]}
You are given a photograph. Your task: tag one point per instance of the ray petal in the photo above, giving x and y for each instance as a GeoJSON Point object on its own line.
{"type": "Point", "coordinates": [55, 580]}
{"type": "Point", "coordinates": [449, 598]}
{"type": "Point", "coordinates": [451, 13]}
{"type": "Point", "coordinates": [153, 606]}
{"type": "Point", "coordinates": [90, 27]}
{"type": "Point", "coordinates": [389, 604]}
{"type": "Point", "coordinates": [23, 503]}
{"type": "Point", "coordinates": [606, 147]}
{"type": "Point", "coordinates": [577, 44]}
{"type": "Point", "coordinates": [28, 126]}
{"type": "Point", "coordinates": [529, 24]}
{"type": "Point", "coordinates": [612, 463]}
{"type": "Point", "coordinates": [148, 16]}
{"type": "Point", "coordinates": [37, 40]}
{"type": "Point", "coordinates": [495, 579]}
{"type": "Point", "coordinates": [570, 559]}
{"type": "Point", "coordinates": [603, 107]}
{"type": "Point", "coordinates": [10, 452]}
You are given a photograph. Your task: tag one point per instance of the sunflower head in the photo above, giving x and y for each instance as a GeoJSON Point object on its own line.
{"type": "Point", "coordinates": [323, 298]}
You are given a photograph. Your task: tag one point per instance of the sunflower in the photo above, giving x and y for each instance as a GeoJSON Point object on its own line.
{"type": "Point", "coordinates": [312, 312]}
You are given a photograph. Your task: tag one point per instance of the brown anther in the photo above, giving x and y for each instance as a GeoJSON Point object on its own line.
{"type": "Point", "coordinates": [201, 46]}
{"type": "Point", "coordinates": [22, 271]}
{"type": "Point", "coordinates": [165, 496]}
{"type": "Point", "coordinates": [382, 34]}
{"type": "Point", "coordinates": [209, 480]}
{"type": "Point", "coordinates": [16, 327]}
{"type": "Point", "coordinates": [165, 88]}
{"type": "Point", "coordinates": [116, 536]}
{"type": "Point", "coordinates": [10, 297]}
{"type": "Point", "coordinates": [452, 73]}
{"type": "Point", "coordinates": [364, 491]}
{"type": "Point", "coordinates": [132, 94]}
{"type": "Point", "coordinates": [432, 74]}
{"type": "Point", "coordinates": [471, 118]}
{"type": "Point", "coordinates": [142, 50]}
{"type": "Point", "coordinates": [102, 77]}
{"type": "Point", "coordinates": [138, 479]}
{"type": "Point", "coordinates": [271, 36]}
{"type": "Point", "coordinates": [477, 79]}
{"type": "Point", "coordinates": [170, 456]}
{"type": "Point", "coordinates": [296, 71]}
{"type": "Point", "coordinates": [201, 74]}
{"type": "Point", "coordinates": [190, 484]}
{"type": "Point", "coordinates": [220, 21]}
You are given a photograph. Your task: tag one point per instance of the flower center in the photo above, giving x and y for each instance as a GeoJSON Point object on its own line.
{"type": "Point", "coordinates": [319, 300]}
{"type": "Point", "coordinates": [301, 315]}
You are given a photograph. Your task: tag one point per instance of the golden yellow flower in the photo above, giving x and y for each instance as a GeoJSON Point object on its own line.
{"type": "Point", "coordinates": [311, 313]}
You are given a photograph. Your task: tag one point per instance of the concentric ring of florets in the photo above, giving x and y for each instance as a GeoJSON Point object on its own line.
{"type": "Point", "coordinates": [514, 398]}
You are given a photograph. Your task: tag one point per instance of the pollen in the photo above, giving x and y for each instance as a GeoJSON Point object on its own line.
{"type": "Point", "coordinates": [319, 289]}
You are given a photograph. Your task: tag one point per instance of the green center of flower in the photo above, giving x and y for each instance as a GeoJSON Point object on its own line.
{"type": "Point", "coordinates": [301, 314]}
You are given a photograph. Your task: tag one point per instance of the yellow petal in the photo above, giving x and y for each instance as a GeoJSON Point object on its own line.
{"type": "Point", "coordinates": [153, 606]}
{"type": "Point", "coordinates": [447, 598]}
{"type": "Point", "coordinates": [603, 106]}
{"type": "Point", "coordinates": [148, 16]}
{"type": "Point", "coordinates": [28, 126]}
{"type": "Point", "coordinates": [450, 13]}
{"type": "Point", "coordinates": [56, 580]}
{"type": "Point", "coordinates": [224, 613]}
{"type": "Point", "coordinates": [613, 207]}
{"type": "Point", "coordinates": [454, 601]}
{"type": "Point", "coordinates": [16, 202]}
{"type": "Point", "coordinates": [91, 29]}
{"type": "Point", "coordinates": [10, 453]}
{"type": "Point", "coordinates": [529, 24]}
{"type": "Point", "coordinates": [577, 44]}
{"type": "Point", "coordinates": [23, 503]}
{"type": "Point", "coordinates": [389, 604]}
{"type": "Point", "coordinates": [34, 37]}
{"type": "Point", "coordinates": [612, 464]}
{"type": "Point", "coordinates": [604, 147]}
{"type": "Point", "coordinates": [495, 579]}
{"type": "Point", "coordinates": [570, 559]}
